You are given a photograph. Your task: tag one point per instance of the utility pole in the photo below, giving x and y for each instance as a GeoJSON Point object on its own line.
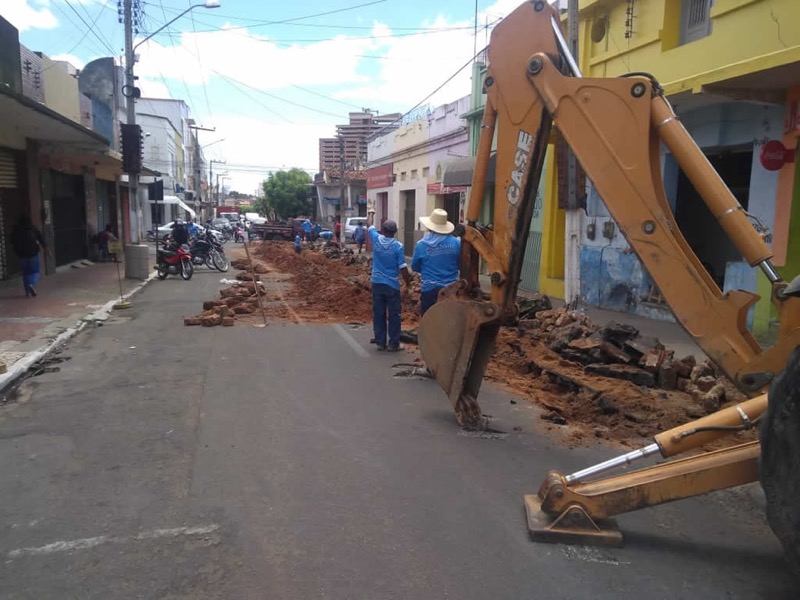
{"type": "Point", "coordinates": [342, 189]}
{"type": "Point", "coordinates": [572, 282]}
{"type": "Point", "coordinates": [197, 159]}
{"type": "Point", "coordinates": [130, 109]}
{"type": "Point", "coordinates": [130, 92]}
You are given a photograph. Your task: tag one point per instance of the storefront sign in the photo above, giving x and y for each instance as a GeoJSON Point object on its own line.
{"type": "Point", "coordinates": [774, 155]}
{"type": "Point", "coordinates": [379, 177]}
{"type": "Point", "coordinates": [438, 188]}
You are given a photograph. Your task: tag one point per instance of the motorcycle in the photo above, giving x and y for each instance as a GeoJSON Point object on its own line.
{"type": "Point", "coordinates": [207, 250]}
{"type": "Point", "coordinates": [174, 262]}
{"type": "Point", "coordinates": [238, 234]}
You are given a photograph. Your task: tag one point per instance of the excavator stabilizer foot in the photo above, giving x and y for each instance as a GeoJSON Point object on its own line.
{"type": "Point", "coordinates": [456, 338]}
{"type": "Point", "coordinates": [573, 526]}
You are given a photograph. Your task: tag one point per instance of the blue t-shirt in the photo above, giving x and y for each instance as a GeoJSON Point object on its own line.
{"type": "Point", "coordinates": [387, 259]}
{"type": "Point", "coordinates": [437, 257]}
{"type": "Point", "coordinates": [360, 234]}
{"type": "Point", "coordinates": [297, 241]}
{"type": "Point", "coordinates": [326, 235]}
{"type": "Point", "coordinates": [307, 226]}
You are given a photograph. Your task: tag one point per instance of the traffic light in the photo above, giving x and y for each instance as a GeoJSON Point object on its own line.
{"type": "Point", "coordinates": [132, 148]}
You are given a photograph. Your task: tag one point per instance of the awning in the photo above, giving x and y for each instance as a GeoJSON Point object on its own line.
{"type": "Point", "coordinates": [25, 118]}
{"type": "Point", "coordinates": [178, 201]}
{"type": "Point", "coordinates": [459, 172]}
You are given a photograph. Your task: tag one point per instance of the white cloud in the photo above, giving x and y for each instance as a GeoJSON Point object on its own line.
{"type": "Point", "coordinates": [254, 60]}
{"type": "Point", "coordinates": [23, 16]}
{"type": "Point", "coordinates": [69, 58]}
{"type": "Point", "coordinates": [252, 145]}
{"type": "Point", "coordinates": [153, 89]}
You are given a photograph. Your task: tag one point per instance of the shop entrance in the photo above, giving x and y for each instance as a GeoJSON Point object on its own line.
{"type": "Point", "coordinates": [409, 219]}
{"type": "Point", "coordinates": [700, 228]}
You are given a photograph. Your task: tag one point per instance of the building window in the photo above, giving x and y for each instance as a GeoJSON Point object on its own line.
{"type": "Point", "coordinates": [695, 20]}
{"type": "Point", "coordinates": [414, 174]}
{"type": "Point", "coordinates": [402, 175]}
{"type": "Point", "coordinates": [426, 171]}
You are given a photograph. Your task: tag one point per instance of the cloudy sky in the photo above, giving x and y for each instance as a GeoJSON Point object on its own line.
{"type": "Point", "coordinates": [273, 76]}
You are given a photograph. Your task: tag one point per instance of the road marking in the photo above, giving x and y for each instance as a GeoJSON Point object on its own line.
{"type": "Point", "coordinates": [85, 543]}
{"type": "Point", "coordinates": [351, 341]}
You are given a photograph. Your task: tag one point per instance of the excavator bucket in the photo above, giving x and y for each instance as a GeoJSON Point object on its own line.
{"type": "Point", "coordinates": [456, 339]}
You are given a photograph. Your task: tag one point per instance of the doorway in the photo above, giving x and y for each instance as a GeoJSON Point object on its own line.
{"type": "Point", "coordinates": [450, 203]}
{"type": "Point", "coordinates": [69, 218]}
{"type": "Point", "coordinates": [700, 228]}
{"type": "Point", "coordinates": [383, 200]}
{"type": "Point", "coordinates": [409, 219]}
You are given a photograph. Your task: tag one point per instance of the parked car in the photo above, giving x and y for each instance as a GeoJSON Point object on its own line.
{"type": "Point", "coordinates": [350, 227]}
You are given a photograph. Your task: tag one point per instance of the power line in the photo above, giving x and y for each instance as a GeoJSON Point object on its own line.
{"type": "Point", "coordinates": [292, 21]}
{"type": "Point", "coordinates": [95, 47]}
{"type": "Point", "coordinates": [426, 98]}
{"type": "Point", "coordinates": [200, 64]}
{"type": "Point", "coordinates": [91, 29]}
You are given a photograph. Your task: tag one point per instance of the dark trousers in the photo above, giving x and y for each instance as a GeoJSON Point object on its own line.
{"type": "Point", "coordinates": [386, 305]}
{"type": "Point", "coordinates": [428, 299]}
{"type": "Point", "coordinates": [30, 271]}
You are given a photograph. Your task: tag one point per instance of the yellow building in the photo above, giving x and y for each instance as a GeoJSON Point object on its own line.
{"type": "Point", "coordinates": [731, 68]}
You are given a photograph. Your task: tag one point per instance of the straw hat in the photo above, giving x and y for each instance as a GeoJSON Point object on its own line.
{"type": "Point", "coordinates": [438, 222]}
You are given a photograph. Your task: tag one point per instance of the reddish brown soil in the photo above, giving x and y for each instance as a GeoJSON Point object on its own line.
{"type": "Point", "coordinates": [326, 290]}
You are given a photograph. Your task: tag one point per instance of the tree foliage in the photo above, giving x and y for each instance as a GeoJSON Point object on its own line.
{"type": "Point", "coordinates": [286, 195]}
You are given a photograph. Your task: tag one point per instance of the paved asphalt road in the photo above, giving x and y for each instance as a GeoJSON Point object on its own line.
{"type": "Point", "coordinates": [170, 462]}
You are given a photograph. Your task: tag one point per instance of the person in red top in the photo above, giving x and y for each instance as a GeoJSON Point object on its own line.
{"type": "Point", "coordinates": [337, 230]}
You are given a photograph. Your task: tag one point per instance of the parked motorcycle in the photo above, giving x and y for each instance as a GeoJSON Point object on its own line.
{"type": "Point", "coordinates": [238, 233]}
{"type": "Point", "coordinates": [175, 262]}
{"type": "Point", "coordinates": [207, 250]}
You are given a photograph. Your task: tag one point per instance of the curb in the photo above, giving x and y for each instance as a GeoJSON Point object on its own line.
{"type": "Point", "coordinates": [19, 368]}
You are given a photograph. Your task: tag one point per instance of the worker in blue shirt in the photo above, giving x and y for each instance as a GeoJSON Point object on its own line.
{"type": "Point", "coordinates": [297, 247]}
{"type": "Point", "coordinates": [388, 264]}
{"type": "Point", "coordinates": [437, 257]}
{"type": "Point", "coordinates": [307, 230]}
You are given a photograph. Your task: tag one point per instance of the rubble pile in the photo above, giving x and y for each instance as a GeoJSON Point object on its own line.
{"type": "Point", "coordinates": [618, 350]}
{"type": "Point", "coordinates": [236, 300]}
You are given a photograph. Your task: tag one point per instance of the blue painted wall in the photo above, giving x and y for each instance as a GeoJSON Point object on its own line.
{"type": "Point", "coordinates": [612, 276]}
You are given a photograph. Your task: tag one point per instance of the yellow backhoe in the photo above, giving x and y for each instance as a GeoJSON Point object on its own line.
{"type": "Point", "coordinates": [615, 127]}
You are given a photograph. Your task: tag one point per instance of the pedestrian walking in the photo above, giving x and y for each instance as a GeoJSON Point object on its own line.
{"type": "Point", "coordinates": [359, 235]}
{"type": "Point", "coordinates": [297, 247]}
{"type": "Point", "coordinates": [26, 241]}
{"type": "Point", "coordinates": [388, 264]}
{"type": "Point", "coordinates": [337, 230]}
{"type": "Point", "coordinates": [437, 257]}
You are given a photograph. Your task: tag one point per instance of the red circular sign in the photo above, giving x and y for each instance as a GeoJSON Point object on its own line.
{"type": "Point", "coordinates": [773, 155]}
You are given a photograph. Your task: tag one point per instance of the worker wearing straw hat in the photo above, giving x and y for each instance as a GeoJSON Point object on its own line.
{"type": "Point", "coordinates": [437, 257]}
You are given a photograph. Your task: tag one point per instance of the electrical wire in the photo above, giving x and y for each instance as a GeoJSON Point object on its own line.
{"type": "Point", "coordinates": [91, 29]}
{"type": "Point", "coordinates": [95, 46]}
{"type": "Point", "coordinates": [200, 64]}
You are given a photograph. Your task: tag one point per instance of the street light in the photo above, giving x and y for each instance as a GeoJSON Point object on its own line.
{"type": "Point", "coordinates": [131, 92]}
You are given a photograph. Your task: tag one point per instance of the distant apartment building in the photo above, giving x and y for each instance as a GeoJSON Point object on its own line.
{"type": "Point", "coordinates": [351, 140]}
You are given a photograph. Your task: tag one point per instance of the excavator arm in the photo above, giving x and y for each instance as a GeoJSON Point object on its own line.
{"type": "Point", "coordinates": [616, 127]}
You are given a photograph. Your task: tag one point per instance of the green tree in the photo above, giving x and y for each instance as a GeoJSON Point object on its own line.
{"type": "Point", "coordinates": [286, 194]}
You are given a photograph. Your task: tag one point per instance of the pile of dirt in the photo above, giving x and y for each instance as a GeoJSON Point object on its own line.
{"type": "Point", "coordinates": [329, 285]}
{"type": "Point", "coordinates": [605, 382]}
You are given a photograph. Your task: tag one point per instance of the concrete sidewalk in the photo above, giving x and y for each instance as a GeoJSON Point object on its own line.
{"type": "Point", "coordinates": [30, 325]}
